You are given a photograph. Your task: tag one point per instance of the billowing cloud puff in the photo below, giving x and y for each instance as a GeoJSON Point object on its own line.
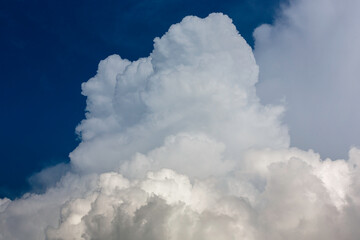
{"type": "Point", "coordinates": [277, 194]}
{"type": "Point", "coordinates": [178, 146]}
{"type": "Point", "coordinates": [200, 78]}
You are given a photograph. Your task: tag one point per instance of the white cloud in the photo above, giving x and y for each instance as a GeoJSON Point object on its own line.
{"type": "Point", "coordinates": [200, 78]}
{"type": "Point", "coordinates": [178, 146]}
{"type": "Point", "coordinates": [311, 57]}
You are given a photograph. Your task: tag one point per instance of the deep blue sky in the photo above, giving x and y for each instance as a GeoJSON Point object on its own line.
{"type": "Point", "coordinates": [48, 48]}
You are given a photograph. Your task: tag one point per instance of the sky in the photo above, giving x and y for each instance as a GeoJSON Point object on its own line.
{"type": "Point", "coordinates": [50, 47]}
{"type": "Point", "coordinates": [221, 130]}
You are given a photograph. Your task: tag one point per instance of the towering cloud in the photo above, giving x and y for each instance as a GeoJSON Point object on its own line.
{"type": "Point", "coordinates": [199, 81]}
{"type": "Point", "coordinates": [178, 146]}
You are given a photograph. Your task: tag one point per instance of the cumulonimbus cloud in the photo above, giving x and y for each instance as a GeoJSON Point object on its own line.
{"type": "Point", "coordinates": [179, 146]}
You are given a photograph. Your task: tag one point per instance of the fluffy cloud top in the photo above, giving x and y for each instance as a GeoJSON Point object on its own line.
{"type": "Point", "coordinates": [178, 146]}
{"type": "Point", "coordinates": [200, 79]}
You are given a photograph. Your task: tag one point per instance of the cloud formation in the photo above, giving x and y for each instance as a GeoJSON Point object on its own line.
{"type": "Point", "coordinates": [310, 57]}
{"type": "Point", "coordinates": [200, 79]}
{"type": "Point", "coordinates": [179, 146]}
